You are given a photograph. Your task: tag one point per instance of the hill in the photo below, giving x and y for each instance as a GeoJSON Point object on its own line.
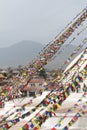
{"type": "Point", "coordinates": [59, 59]}
{"type": "Point", "coordinates": [23, 52]}
{"type": "Point", "coordinates": [19, 54]}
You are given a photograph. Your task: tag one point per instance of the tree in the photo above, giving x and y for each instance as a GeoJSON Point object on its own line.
{"type": "Point", "coordinates": [10, 70]}
{"type": "Point", "coordinates": [42, 73]}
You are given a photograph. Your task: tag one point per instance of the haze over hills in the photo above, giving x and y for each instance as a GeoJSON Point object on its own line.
{"type": "Point", "coordinates": [23, 52]}
{"type": "Point", "coordinates": [19, 54]}
{"type": "Point", "coordinates": [62, 57]}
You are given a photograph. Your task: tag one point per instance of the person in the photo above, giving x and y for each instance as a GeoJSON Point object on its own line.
{"type": "Point", "coordinates": [31, 101]}
{"type": "Point", "coordinates": [84, 88]}
{"type": "Point", "coordinates": [1, 104]}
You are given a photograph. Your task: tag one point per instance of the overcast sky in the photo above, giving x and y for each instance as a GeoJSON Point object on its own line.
{"type": "Point", "coordinates": [36, 20]}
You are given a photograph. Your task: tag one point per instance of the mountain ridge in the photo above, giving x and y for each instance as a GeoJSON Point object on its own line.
{"type": "Point", "coordinates": [25, 51]}
{"type": "Point", "coordinates": [19, 53]}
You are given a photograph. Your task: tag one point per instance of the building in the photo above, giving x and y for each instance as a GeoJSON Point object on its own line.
{"type": "Point", "coordinates": [1, 77]}
{"type": "Point", "coordinates": [34, 86]}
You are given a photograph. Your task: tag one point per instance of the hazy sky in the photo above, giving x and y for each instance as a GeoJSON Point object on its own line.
{"type": "Point", "coordinates": [36, 20]}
